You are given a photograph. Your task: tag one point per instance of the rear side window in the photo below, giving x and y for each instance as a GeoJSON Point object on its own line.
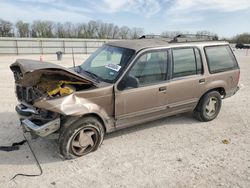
{"type": "Point", "coordinates": [220, 58]}
{"type": "Point", "coordinates": [186, 62]}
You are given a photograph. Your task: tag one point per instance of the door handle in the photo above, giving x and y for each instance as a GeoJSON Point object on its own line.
{"type": "Point", "coordinates": [162, 89]}
{"type": "Point", "coordinates": [201, 81]}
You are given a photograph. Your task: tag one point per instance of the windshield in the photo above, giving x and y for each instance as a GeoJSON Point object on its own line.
{"type": "Point", "coordinates": [107, 62]}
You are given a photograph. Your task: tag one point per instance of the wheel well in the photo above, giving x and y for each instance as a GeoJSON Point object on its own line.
{"type": "Point", "coordinates": [97, 117]}
{"type": "Point", "coordinates": [221, 90]}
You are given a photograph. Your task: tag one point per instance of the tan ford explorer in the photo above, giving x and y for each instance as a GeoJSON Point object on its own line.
{"type": "Point", "coordinates": [122, 84]}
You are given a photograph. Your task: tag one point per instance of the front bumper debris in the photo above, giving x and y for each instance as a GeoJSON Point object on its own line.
{"type": "Point", "coordinates": [41, 130]}
{"type": "Point", "coordinates": [25, 111]}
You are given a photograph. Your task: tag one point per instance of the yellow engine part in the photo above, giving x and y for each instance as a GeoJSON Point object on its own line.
{"type": "Point", "coordinates": [59, 87]}
{"type": "Point", "coordinates": [67, 89]}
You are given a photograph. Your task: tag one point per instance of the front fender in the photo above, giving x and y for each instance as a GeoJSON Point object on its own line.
{"type": "Point", "coordinates": [72, 105]}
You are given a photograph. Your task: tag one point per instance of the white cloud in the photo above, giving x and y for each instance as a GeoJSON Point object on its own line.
{"type": "Point", "coordinates": [60, 4]}
{"type": "Point", "coordinates": [219, 5]}
{"type": "Point", "coordinates": [29, 13]}
{"type": "Point", "coordinates": [186, 19]}
{"type": "Point", "coordinates": [40, 1]}
{"type": "Point", "coordinates": [115, 5]}
{"type": "Point", "coordinates": [191, 11]}
{"type": "Point", "coordinates": [146, 8]}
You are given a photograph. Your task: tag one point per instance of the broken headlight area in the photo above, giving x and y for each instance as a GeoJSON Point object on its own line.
{"type": "Point", "coordinates": [39, 116]}
{"type": "Point", "coordinates": [39, 122]}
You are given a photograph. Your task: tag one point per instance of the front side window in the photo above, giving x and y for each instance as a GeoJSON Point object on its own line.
{"type": "Point", "coordinates": [151, 67]}
{"type": "Point", "coordinates": [220, 58]}
{"type": "Point", "coordinates": [107, 62]}
{"type": "Point", "coordinates": [186, 62]}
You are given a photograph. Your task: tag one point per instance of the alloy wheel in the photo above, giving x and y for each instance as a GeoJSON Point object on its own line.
{"type": "Point", "coordinates": [211, 106]}
{"type": "Point", "coordinates": [84, 141]}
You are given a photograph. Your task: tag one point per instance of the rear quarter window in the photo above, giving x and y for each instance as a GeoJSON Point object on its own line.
{"type": "Point", "coordinates": [220, 58]}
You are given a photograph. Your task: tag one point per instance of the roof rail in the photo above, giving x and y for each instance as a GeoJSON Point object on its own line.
{"type": "Point", "coordinates": [182, 38]}
{"type": "Point", "coordinates": [193, 38]}
{"type": "Point", "coordinates": [153, 37]}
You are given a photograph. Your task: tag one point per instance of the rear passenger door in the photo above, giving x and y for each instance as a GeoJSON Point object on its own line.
{"type": "Point", "coordinates": [187, 79]}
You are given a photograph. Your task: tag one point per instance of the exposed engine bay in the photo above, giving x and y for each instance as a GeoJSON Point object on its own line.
{"type": "Point", "coordinates": [36, 80]}
{"type": "Point", "coordinates": [49, 88]}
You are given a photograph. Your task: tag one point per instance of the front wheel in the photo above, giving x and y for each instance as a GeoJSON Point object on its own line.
{"type": "Point", "coordinates": [80, 138]}
{"type": "Point", "coordinates": [209, 106]}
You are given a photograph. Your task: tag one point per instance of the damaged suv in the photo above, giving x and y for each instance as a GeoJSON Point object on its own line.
{"type": "Point", "coordinates": [122, 84]}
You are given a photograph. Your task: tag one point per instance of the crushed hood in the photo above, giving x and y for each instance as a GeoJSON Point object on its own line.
{"type": "Point", "coordinates": [29, 72]}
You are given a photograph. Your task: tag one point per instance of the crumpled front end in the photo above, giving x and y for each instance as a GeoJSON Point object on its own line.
{"type": "Point", "coordinates": [40, 81]}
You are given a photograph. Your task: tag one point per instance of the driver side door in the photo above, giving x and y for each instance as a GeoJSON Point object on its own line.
{"type": "Point", "coordinates": [143, 94]}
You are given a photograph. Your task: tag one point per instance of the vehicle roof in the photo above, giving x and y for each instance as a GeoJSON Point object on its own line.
{"type": "Point", "coordinates": [139, 44]}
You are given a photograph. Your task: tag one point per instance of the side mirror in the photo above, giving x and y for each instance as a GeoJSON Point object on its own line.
{"type": "Point", "coordinates": [128, 82]}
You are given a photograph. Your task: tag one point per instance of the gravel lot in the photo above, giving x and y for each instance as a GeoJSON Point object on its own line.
{"type": "Point", "coordinates": [176, 151]}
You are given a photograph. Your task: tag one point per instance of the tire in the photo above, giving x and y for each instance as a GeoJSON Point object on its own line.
{"type": "Point", "coordinates": [208, 107]}
{"type": "Point", "coordinates": [81, 137]}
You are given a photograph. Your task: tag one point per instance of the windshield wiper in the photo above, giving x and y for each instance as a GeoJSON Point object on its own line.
{"type": "Point", "coordinates": [93, 75]}
{"type": "Point", "coordinates": [78, 69]}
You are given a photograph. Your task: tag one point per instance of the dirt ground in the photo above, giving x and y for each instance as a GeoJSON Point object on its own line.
{"type": "Point", "coordinates": [176, 151]}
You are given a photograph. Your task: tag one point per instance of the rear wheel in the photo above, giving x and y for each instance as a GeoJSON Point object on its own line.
{"type": "Point", "coordinates": [81, 137]}
{"type": "Point", "coordinates": [209, 106]}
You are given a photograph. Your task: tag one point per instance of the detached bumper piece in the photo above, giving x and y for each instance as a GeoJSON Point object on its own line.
{"type": "Point", "coordinates": [25, 111]}
{"type": "Point", "coordinates": [41, 130]}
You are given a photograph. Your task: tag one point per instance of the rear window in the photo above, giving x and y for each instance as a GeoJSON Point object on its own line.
{"type": "Point", "coordinates": [186, 62]}
{"type": "Point", "coordinates": [220, 58]}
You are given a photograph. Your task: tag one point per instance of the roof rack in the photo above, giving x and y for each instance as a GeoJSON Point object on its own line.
{"type": "Point", "coordinates": [183, 38]}
{"type": "Point", "coordinates": [150, 36]}
{"type": "Point", "coordinates": [193, 38]}
{"type": "Point", "coordinates": [154, 37]}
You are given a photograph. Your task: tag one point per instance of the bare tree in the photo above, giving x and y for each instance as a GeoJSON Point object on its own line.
{"type": "Point", "coordinates": [42, 29]}
{"type": "Point", "coordinates": [80, 28]}
{"type": "Point", "coordinates": [115, 32]}
{"type": "Point", "coordinates": [59, 30]}
{"type": "Point", "coordinates": [48, 29]}
{"type": "Point", "coordinates": [92, 29]}
{"type": "Point", "coordinates": [6, 28]}
{"type": "Point", "coordinates": [22, 29]}
{"type": "Point", "coordinates": [100, 29]}
{"type": "Point", "coordinates": [171, 34]}
{"type": "Point", "coordinates": [124, 32]}
{"type": "Point", "coordinates": [204, 33]}
{"type": "Point", "coordinates": [67, 29]}
{"type": "Point", "coordinates": [110, 28]}
{"type": "Point", "coordinates": [136, 32]}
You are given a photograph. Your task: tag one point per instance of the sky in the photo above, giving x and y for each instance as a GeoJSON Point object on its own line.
{"type": "Point", "coordinates": [224, 17]}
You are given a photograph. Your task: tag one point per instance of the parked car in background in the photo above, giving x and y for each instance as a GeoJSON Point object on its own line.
{"type": "Point", "coordinates": [242, 46]}
{"type": "Point", "coordinates": [124, 83]}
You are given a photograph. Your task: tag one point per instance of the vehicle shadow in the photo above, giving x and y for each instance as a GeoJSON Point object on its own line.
{"type": "Point", "coordinates": [47, 150]}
